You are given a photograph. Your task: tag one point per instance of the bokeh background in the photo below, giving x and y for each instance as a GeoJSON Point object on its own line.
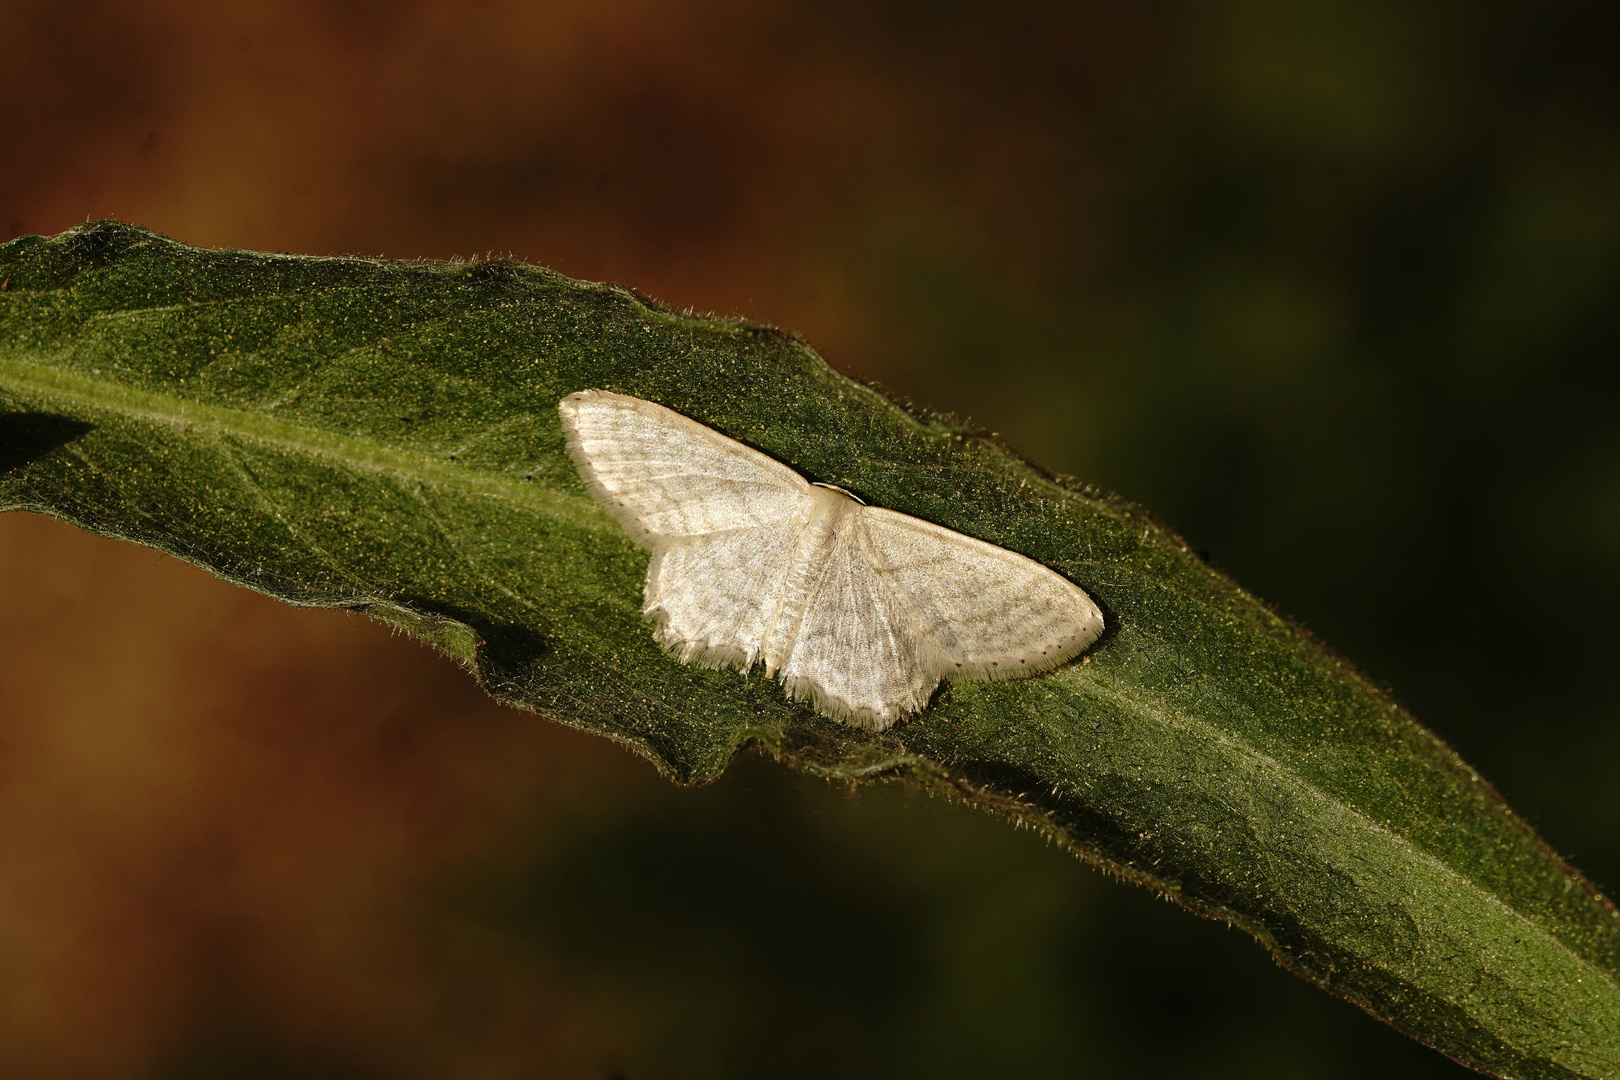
{"type": "Point", "coordinates": [1331, 286]}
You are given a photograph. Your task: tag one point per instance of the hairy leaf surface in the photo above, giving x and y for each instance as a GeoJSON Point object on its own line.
{"type": "Point", "coordinates": [384, 437]}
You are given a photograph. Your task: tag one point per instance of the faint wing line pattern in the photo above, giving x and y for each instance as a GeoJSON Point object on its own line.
{"type": "Point", "coordinates": [859, 610]}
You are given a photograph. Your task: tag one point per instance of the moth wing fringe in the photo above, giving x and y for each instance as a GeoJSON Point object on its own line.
{"type": "Point", "coordinates": [718, 657]}
{"type": "Point", "coordinates": [799, 688]}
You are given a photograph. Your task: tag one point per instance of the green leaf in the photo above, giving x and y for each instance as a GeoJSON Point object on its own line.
{"type": "Point", "coordinates": [384, 437]}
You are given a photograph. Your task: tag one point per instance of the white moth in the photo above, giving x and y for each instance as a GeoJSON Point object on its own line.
{"type": "Point", "coordinates": [860, 610]}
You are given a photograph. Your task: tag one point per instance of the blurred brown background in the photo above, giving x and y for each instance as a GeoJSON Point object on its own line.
{"type": "Point", "coordinates": [1330, 286]}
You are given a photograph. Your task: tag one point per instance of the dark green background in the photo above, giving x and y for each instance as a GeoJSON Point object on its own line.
{"type": "Point", "coordinates": [1329, 287]}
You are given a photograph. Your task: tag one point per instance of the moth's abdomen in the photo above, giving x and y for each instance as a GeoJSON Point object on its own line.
{"type": "Point", "coordinates": [807, 566]}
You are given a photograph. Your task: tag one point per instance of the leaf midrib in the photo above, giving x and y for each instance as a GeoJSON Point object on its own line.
{"type": "Point", "coordinates": [353, 451]}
